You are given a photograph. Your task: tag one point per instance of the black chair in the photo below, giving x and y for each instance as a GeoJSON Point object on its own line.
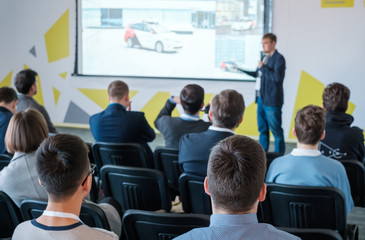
{"type": "Point", "coordinates": [356, 175]}
{"type": "Point", "coordinates": [136, 188]}
{"type": "Point", "coordinates": [91, 214]}
{"type": "Point", "coordinates": [193, 196]}
{"type": "Point", "coordinates": [166, 160]}
{"type": "Point", "coordinates": [313, 233]}
{"type": "Point", "coordinates": [4, 160]}
{"type": "Point", "coordinates": [140, 225]}
{"type": "Point", "coordinates": [270, 156]}
{"type": "Point", "coordinates": [10, 216]}
{"type": "Point", "coordinates": [307, 207]}
{"type": "Point", "coordinates": [122, 154]}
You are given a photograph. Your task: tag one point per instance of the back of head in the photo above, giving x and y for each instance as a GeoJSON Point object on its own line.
{"type": "Point", "coordinates": [26, 130]}
{"type": "Point", "coordinates": [270, 36]}
{"type": "Point", "coordinates": [227, 108]}
{"type": "Point", "coordinates": [117, 90]}
{"type": "Point", "coordinates": [62, 164]}
{"type": "Point", "coordinates": [7, 95]}
{"type": "Point", "coordinates": [335, 97]}
{"type": "Point", "coordinates": [24, 80]}
{"type": "Point", "coordinates": [236, 173]}
{"type": "Point", "coordinates": [310, 123]}
{"type": "Point", "coordinates": [192, 98]}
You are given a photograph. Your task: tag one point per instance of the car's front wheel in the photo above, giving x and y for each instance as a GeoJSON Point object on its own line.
{"type": "Point", "coordinates": [159, 47]}
{"type": "Point", "coordinates": [130, 42]}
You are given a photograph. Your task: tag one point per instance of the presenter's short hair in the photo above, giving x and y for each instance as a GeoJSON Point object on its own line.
{"type": "Point", "coordinates": [270, 36]}
{"type": "Point", "coordinates": [26, 130]}
{"type": "Point", "coordinates": [62, 164]}
{"type": "Point", "coordinates": [336, 97]}
{"type": "Point", "coordinates": [24, 80]}
{"type": "Point", "coordinates": [310, 123]}
{"type": "Point", "coordinates": [227, 108]}
{"type": "Point", "coordinates": [8, 95]}
{"type": "Point", "coordinates": [118, 89]}
{"type": "Point", "coordinates": [236, 173]}
{"type": "Point", "coordinates": [191, 98]}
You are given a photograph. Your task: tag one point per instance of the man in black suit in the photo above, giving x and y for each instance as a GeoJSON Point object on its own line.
{"type": "Point", "coordinates": [118, 124]}
{"type": "Point", "coordinates": [172, 128]}
{"type": "Point", "coordinates": [226, 112]}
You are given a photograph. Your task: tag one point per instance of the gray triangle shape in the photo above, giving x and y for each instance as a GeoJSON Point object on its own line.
{"type": "Point", "coordinates": [32, 51]}
{"type": "Point", "coordinates": [75, 114]}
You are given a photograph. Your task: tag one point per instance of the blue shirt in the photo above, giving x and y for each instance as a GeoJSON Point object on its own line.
{"type": "Point", "coordinates": [240, 226]}
{"type": "Point", "coordinates": [304, 167]}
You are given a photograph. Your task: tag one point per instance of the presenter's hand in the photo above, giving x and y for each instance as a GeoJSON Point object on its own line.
{"type": "Point", "coordinates": [261, 64]}
{"type": "Point", "coordinates": [129, 107]}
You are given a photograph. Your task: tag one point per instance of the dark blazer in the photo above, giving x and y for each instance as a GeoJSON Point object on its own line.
{"type": "Point", "coordinates": [116, 125]}
{"type": "Point", "coordinates": [5, 116]}
{"type": "Point", "coordinates": [172, 128]}
{"type": "Point", "coordinates": [195, 149]}
{"type": "Point", "coordinates": [273, 73]}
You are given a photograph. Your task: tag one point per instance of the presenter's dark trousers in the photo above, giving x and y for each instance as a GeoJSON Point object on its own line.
{"type": "Point", "coordinates": [269, 119]}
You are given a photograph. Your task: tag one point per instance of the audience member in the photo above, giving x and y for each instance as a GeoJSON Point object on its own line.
{"type": "Point", "coordinates": [118, 124]}
{"type": "Point", "coordinates": [235, 183]}
{"type": "Point", "coordinates": [8, 101]}
{"type": "Point", "coordinates": [305, 166]}
{"type": "Point", "coordinates": [226, 112]}
{"type": "Point", "coordinates": [64, 171]}
{"type": "Point", "coordinates": [172, 128]}
{"type": "Point", "coordinates": [341, 141]}
{"type": "Point", "coordinates": [26, 85]}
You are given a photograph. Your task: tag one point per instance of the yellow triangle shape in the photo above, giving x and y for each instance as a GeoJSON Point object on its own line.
{"type": "Point", "coordinates": [100, 96]}
{"type": "Point", "coordinates": [6, 82]}
{"type": "Point", "coordinates": [63, 75]}
{"type": "Point", "coordinates": [39, 96]}
{"type": "Point", "coordinates": [56, 95]}
{"type": "Point", "coordinates": [57, 39]}
{"type": "Point", "coordinates": [248, 125]}
{"type": "Point", "coordinates": [350, 108]}
{"type": "Point", "coordinates": [154, 106]}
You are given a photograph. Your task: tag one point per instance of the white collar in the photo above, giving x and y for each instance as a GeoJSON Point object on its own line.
{"type": "Point", "coordinates": [189, 117]}
{"type": "Point", "coordinates": [219, 129]}
{"type": "Point", "coordinates": [305, 152]}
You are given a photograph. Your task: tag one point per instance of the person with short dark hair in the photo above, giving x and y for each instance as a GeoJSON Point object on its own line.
{"type": "Point", "coordinates": [118, 124]}
{"type": "Point", "coordinates": [269, 93]}
{"type": "Point", "coordinates": [8, 101]}
{"type": "Point", "coordinates": [172, 128]}
{"type": "Point", "coordinates": [26, 85]}
{"type": "Point", "coordinates": [235, 183]}
{"type": "Point", "coordinates": [226, 112]}
{"type": "Point", "coordinates": [64, 171]}
{"type": "Point", "coordinates": [305, 166]}
{"type": "Point", "coordinates": [342, 141]}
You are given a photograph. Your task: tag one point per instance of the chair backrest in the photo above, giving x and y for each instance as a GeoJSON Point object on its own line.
{"type": "Point", "coordinates": [136, 188]}
{"type": "Point", "coordinates": [167, 161]}
{"type": "Point", "coordinates": [305, 207]}
{"type": "Point", "coordinates": [91, 214]}
{"type": "Point", "coordinates": [313, 233]}
{"type": "Point", "coordinates": [140, 225]}
{"type": "Point", "coordinates": [356, 175]}
{"type": "Point", "coordinates": [193, 196]}
{"type": "Point", "coordinates": [4, 160]}
{"type": "Point", "coordinates": [270, 156]}
{"type": "Point", "coordinates": [122, 154]}
{"type": "Point", "coordinates": [10, 216]}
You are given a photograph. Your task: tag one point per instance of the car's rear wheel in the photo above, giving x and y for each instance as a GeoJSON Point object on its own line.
{"type": "Point", "coordinates": [130, 42]}
{"type": "Point", "coordinates": [159, 47]}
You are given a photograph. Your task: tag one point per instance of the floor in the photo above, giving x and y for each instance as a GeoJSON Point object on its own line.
{"type": "Point", "coordinates": [357, 215]}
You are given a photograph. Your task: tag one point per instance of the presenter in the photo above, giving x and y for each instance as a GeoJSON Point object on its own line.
{"type": "Point", "coordinates": [269, 93]}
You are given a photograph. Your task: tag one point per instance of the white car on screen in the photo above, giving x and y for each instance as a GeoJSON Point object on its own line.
{"type": "Point", "coordinates": [152, 36]}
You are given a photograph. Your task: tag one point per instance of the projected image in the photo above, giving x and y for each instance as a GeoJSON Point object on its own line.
{"type": "Point", "coordinates": [170, 38]}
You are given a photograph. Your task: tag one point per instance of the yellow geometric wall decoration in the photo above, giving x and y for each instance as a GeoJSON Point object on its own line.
{"type": "Point", "coordinates": [57, 39]}
{"type": "Point", "coordinates": [350, 108]}
{"type": "Point", "coordinates": [337, 4]}
{"type": "Point", "coordinates": [100, 96]}
{"type": "Point", "coordinates": [63, 75]}
{"type": "Point", "coordinates": [39, 96]}
{"type": "Point", "coordinates": [56, 95]}
{"type": "Point", "coordinates": [6, 82]}
{"type": "Point", "coordinates": [249, 123]}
